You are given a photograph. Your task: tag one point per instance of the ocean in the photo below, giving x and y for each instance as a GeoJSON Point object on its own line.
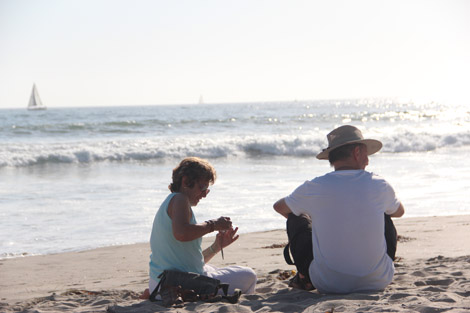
{"type": "Point", "coordinates": [73, 179]}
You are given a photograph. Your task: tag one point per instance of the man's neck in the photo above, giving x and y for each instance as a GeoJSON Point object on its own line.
{"type": "Point", "coordinates": [346, 168]}
{"type": "Point", "coordinates": [346, 165]}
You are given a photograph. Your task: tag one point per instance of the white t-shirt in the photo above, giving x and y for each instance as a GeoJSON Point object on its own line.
{"type": "Point", "coordinates": [347, 210]}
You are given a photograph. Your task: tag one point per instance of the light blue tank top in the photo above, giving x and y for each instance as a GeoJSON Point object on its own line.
{"type": "Point", "coordinates": [169, 253]}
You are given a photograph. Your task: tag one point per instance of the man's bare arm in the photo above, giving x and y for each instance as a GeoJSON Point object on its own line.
{"type": "Point", "coordinates": [399, 212]}
{"type": "Point", "coordinates": [281, 207]}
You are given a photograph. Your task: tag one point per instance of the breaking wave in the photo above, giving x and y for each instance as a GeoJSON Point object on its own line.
{"type": "Point", "coordinates": [128, 150]}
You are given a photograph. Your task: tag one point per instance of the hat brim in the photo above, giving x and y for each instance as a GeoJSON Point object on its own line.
{"type": "Point", "coordinates": [372, 145]}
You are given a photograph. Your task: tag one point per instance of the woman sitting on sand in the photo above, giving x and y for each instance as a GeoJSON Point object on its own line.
{"type": "Point", "coordinates": [176, 236]}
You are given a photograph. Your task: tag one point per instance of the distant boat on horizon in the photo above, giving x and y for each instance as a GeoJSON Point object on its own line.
{"type": "Point", "coordinates": [35, 102]}
{"type": "Point", "coordinates": [201, 100]}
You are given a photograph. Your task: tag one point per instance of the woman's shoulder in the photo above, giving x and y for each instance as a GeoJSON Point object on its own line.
{"type": "Point", "coordinates": [178, 202]}
{"type": "Point", "coordinates": [178, 198]}
{"type": "Point", "coordinates": [174, 196]}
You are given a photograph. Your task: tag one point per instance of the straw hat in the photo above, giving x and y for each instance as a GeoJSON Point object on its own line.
{"type": "Point", "coordinates": [348, 134]}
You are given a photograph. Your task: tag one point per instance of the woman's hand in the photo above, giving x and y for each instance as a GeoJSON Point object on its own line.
{"type": "Point", "coordinates": [225, 238]}
{"type": "Point", "coordinates": [222, 223]}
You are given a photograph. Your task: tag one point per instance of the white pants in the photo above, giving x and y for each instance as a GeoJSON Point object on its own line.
{"type": "Point", "coordinates": [243, 278]}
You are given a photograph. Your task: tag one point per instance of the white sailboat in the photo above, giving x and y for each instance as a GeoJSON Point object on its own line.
{"type": "Point", "coordinates": [35, 102]}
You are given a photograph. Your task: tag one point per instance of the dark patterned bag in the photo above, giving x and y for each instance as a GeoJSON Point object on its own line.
{"type": "Point", "coordinates": [177, 287]}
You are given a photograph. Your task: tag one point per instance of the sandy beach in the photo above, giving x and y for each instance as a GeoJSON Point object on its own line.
{"type": "Point", "coordinates": [432, 275]}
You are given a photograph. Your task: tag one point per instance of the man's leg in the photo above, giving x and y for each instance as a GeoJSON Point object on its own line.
{"type": "Point", "coordinates": [391, 237]}
{"type": "Point", "coordinates": [299, 232]}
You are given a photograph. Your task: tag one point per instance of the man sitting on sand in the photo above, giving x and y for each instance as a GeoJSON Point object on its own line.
{"type": "Point", "coordinates": [348, 214]}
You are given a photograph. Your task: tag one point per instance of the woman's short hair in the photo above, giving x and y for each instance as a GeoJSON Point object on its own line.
{"type": "Point", "coordinates": [343, 152]}
{"type": "Point", "coordinates": [195, 169]}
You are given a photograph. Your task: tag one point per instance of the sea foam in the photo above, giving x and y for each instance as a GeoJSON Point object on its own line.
{"type": "Point", "coordinates": [128, 150]}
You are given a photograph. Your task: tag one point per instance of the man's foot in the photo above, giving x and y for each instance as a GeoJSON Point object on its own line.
{"type": "Point", "coordinates": [299, 281]}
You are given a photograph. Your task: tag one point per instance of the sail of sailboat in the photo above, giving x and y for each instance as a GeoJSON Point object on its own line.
{"type": "Point", "coordinates": [35, 102]}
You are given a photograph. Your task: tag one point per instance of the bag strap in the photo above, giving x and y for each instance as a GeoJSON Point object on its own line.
{"type": "Point", "coordinates": [154, 293]}
{"type": "Point", "coordinates": [224, 287]}
{"type": "Point", "coordinates": [287, 255]}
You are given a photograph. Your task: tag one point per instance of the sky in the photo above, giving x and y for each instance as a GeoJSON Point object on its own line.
{"type": "Point", "coordinates": [148, 52]}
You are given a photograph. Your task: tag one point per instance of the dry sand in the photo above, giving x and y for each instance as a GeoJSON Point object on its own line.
{"type": "Point", "coordinates": [432, 275]}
